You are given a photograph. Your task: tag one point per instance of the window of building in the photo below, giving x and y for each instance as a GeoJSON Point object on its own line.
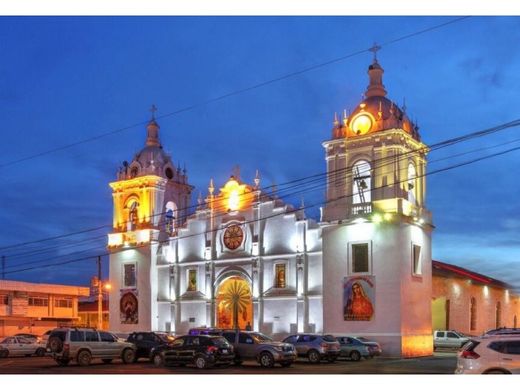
{"type": "Point", "coordinates": [38, 301]}
{"type": "Point", "coordinates": [361, 183]}
{"type": "Point", "coordinates": [192, 280]}
{"type": "Point", "coordinates": [129, 275]}
{"type": "Point", "coordinates": [279, 275]}
{"type": "Point", "coordinates": [473, 314]}
{"type": "Point", "coordinates": [416, 260]}
{"type": "Point", "coordinates": [360, 258]}
{"type": "Point", "coordinates": [498, 315]}
{"type": "Point", "coordinates": [4, 300]}
{"type": "Point", "coordinates": [412, 184]}
{"type": "Point", "coordinates": [64, 302]}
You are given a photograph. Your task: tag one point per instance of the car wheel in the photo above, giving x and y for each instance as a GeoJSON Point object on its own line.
{"type": "Point", "coordinates": [40, 352]}
{"type": "Point", "coordinates": [128, 356]}
{"type": "Point", "coordinates": [55, 344]}
{"type": "Point", "coordinates": [286, 364]}
{"type": "Point", "coordinates": [355, 356]}
{"type": "Point", "coordinates": [200, 362]}
{"type": "Point", "coordinates": [496, 372]}
{"type": "Point", "coordinates": [106, 361]}
{"type": "Point", "coordinates": [62, 362]}
{"type": "Point", "coordinates": [158, 360]}
{"type": "Point", "coordinates": [84, 358]}
{"type": "Point", "coordinates": [266, 360]}
{"type": "Point", "coordinates": [314, 356]}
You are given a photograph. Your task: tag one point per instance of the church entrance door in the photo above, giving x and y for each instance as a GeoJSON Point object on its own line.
{"type": "Point", "coordinates": [234, 304]}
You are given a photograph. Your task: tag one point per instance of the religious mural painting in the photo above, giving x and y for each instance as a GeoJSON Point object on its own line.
{"type": "Point", "coordinates": [358, 298]}
{"type": "Point", "coordinates": [129, 307]}
{"type": "Point", "coordinates": [192, 280]}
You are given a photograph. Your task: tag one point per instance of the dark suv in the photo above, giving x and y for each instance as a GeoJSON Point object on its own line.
{"type": "Point", "coordinates": [203, 351]}
{"type": "Point", "coordinates": [147, 342]}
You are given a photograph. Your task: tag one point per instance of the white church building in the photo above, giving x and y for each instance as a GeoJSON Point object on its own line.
{"type": "Point", "coordinates": [244, 258]}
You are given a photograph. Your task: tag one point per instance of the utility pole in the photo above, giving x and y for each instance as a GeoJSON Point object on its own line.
{"type": "Point", "coordinates": [100, 295]}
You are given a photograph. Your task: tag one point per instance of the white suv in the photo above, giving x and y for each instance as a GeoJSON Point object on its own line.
{"type": "Point", "coordinates": [496, 354]}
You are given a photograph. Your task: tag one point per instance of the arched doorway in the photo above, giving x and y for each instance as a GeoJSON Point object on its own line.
{"type": "Point", "coordinates": [234, 303]}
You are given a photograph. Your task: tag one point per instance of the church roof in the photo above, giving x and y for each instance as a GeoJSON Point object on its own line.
{"type": "Point", "coordinates": [444, 269]}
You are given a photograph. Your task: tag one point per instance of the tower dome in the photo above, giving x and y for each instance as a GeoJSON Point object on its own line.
{"type": "Point", "coordinates": [375, 112]}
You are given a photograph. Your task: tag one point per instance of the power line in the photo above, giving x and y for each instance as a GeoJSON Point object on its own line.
{"type": "Point", "coordinates": [440, 170]}
{"type": "Point", "coordinates": [233, 93]}
{"type": "Point", "coordinates": [331, 175]}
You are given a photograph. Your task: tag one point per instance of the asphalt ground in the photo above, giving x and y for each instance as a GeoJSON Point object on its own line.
{"type": "Point", "coordinates": [440, 363]}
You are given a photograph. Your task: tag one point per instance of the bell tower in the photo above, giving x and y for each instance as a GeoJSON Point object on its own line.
{"type": "Point", "coordinates": [151, 198]}
{"type": "Point", "coordinates": [377, 230]}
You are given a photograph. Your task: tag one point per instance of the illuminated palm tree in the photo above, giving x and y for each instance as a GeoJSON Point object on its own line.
{"type": "Point", "coordinates": [236, 298]}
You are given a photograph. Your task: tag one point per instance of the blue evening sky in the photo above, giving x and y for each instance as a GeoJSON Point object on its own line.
{"type": "Point", "coordinates": [64, 79]}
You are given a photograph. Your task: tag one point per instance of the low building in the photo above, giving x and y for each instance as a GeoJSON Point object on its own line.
{"type": "Point", "coordinates": [470, 302]}
{"type": "Point", "coordinates": [88, 313]}
{"type": "Point", "coordinates": [35, 307]}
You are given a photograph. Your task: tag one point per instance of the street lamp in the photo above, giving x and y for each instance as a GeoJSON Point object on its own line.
{"type": "Point", "coordinates": [101, 285]}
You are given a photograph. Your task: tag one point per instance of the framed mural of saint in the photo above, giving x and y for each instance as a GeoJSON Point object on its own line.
{"type": "Point", "coordinates": [129, 309]}
{"type": "Point", "coordinates": [358, 298]}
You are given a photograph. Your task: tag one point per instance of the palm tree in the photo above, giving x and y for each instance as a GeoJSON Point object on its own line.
{"type": "Point", "coordinates": [236, 298]}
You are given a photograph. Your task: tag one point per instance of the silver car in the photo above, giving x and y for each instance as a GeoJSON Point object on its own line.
{"type": "Point", "coordinates": [315, 347]}
{"type": "Point", "coordinates": [20, 346]}
{"type": "Point", "coordinates": [448, 339]}
{"type": "Point", "coordinates": [85, 344]}
{"type": "Point", "coordinates": [355, 348]}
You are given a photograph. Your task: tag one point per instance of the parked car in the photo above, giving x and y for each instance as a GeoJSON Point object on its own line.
{"type": "Point", "coordinates": [315, 347]}
{"type": "Point", "coordinates": [356, 348]}
{"type": "Point", "coordinates": [20, 346]}
{"type": "Point", "coordinates": [448, 339]}
{"type": "Point", "coordinates": [255, 346]}
{"type": "Point", "coordinates": [45, 336]}
{"type": "Point", "coordinates": [492, 354]}
{"type": "Point", "coordinates": [147, 342]}
{"type": "Point", "coordinates": [85, 344]}
{"type": "Point", "coordinates": [503, 331]}
{"type": "Point", "coordinates": [204, 351]}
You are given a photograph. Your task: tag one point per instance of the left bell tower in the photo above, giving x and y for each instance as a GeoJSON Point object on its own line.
{"type": "Point", "coordinates": [151, 197]}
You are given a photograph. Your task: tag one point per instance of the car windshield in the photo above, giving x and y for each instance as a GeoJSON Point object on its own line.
{"type": "Point", "coordinates": [261, 337]}
{"type": "Point", "coordinates": [220, 342]}
{"type": "Point", "coordinates": [363, 339]}
{"type": "Point", "coordinates": [165, 338]}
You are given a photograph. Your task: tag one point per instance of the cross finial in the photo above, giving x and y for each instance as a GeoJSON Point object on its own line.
{"type": "Point", "coordinates": [374, 49]}
{"type": "Point", "coordinates": [153, 109]}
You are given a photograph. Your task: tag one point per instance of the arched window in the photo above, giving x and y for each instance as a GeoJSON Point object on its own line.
{"type": "Point", "coordinates": [473, 314]}
{"type": "Point", "coordinates": [134, 171]}
{"type": "Point", "coordinates": [412, 184]}
{"type": "Point", "coordinates": [498, 315]}
{"type": "Point", "coordinates": [361, 183]}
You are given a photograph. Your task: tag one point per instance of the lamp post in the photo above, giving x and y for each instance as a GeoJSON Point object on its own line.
{"type": "Point", "coordinates": [101, 285]}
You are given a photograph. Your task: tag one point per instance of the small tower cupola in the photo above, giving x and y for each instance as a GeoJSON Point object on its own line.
{"type": "Point", "coordinates": [375, 75]}
{"type": "Point", "coordinates": [152, 130]}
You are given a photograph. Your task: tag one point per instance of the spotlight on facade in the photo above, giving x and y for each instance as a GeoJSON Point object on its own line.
{"type": "Point", "coordinates": [421, 221]}
{"type": "Point", "coordinates": [377, 218]}
{"type": "Point", "coordinates": [360, 220]}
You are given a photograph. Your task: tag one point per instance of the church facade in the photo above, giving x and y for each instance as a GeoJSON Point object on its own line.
{"type": "Point", "coordinates": [245, 258]}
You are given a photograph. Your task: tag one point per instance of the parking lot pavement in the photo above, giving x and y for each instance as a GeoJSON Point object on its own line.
{"type": "Point", "coordinates": [440, 363]}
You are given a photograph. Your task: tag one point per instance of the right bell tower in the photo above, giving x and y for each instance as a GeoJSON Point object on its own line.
{"type": "Point", "coordinates": [376, 228]}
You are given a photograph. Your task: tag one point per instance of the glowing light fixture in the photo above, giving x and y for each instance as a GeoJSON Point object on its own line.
{"type": "Point", "coordinates": [377, 218]}
{"type": "Point", "coordinates": [360, 220]}
{"type": "Point", "coordinates": [233, 200]}
{"type": "Point", "coordinates": [361, 124]}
